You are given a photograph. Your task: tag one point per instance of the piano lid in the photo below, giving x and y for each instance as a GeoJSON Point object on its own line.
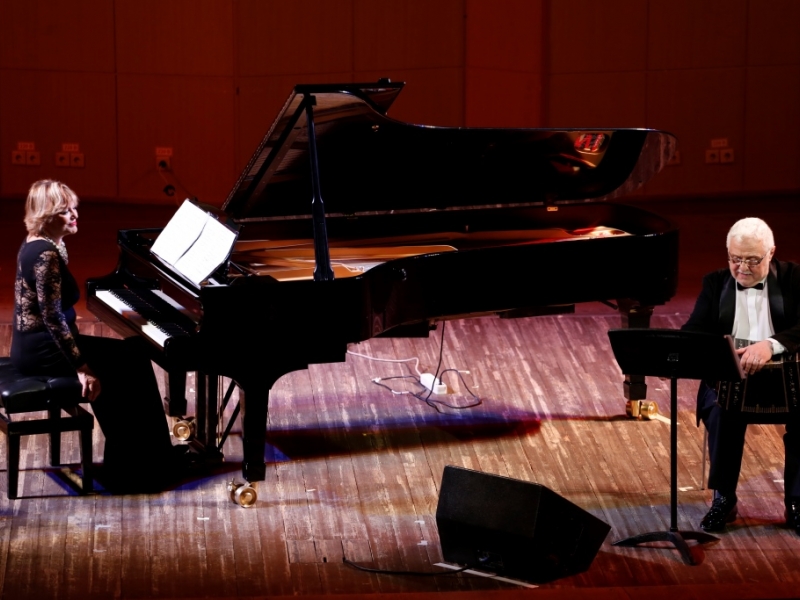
{"type": "Point", "coordinates": [372, 164]}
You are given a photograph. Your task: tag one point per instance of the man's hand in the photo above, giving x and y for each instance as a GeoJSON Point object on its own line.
{"type": "Point", "coordinates": [755, 356]}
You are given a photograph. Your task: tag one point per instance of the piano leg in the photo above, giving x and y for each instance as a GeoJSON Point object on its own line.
{"type": "Point", "coordinates": [253, 419]}
{"type": "Point", "coordinates": [254, 402]}
{"type": "Point", "coordinates": [207, 409]}
{"type": "Point", "coordinates": [253, 405]}
{"type": "Point", "coordinates": [634, 315]}
{"type": "Point", "coordinates": [176, 404]}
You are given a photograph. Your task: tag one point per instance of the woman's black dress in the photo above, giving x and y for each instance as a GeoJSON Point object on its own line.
{"type": "Point", "coordinates": [138, 452]}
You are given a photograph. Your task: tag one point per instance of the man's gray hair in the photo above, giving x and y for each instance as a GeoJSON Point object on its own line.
{"type": "Point", "coordinates": [751, 228]}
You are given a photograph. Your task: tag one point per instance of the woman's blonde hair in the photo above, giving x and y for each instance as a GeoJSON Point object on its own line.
{"type": "Point", "coordinates": [46, 199]}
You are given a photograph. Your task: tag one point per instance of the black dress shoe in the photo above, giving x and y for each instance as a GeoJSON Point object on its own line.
{"type": "Point", "coordinates": [793, 514]}
{"type": "Point", "coordinates": [723, 511]}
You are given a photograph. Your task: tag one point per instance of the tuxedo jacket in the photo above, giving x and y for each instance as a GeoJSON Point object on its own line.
{"type": "Point", "coordinates": [715, 310]}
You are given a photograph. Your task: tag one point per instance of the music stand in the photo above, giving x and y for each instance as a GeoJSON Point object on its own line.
{"type": "Point", "coordinates": [677, 355]}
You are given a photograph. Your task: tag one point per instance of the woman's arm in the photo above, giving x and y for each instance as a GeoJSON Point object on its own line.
{"type": "Point", "coordinates": [47, 270]}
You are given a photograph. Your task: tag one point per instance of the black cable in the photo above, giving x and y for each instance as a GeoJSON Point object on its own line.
{"type": "Point", "coordinates": [416, 573]}
{"type": "Point", "coordinates": [427, 398]}
{"type": "Point", "coordinates": [414, 377]}
{"type": "Point", "coordinates": [431, 401]}
{"type": "Point", "coordinates": [439, 365]}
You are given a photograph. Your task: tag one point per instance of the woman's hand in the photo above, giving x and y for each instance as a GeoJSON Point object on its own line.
{"type": "Point", "coordinates": [90, 384]}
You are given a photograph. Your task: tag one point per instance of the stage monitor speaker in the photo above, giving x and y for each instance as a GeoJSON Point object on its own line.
{"type": "Point", "coordinates": [517, 529]}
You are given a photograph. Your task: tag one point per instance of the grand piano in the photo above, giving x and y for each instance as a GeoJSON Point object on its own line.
{"type": "Point", "coordinates": [352, 225]}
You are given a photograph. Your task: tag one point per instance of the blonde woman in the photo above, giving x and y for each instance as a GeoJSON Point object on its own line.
{"type": "Point", "coordinates": [115, 376]}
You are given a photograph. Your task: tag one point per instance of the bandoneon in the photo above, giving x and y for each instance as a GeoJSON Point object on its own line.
{"type": "Point", "coordinates": [768, 396]}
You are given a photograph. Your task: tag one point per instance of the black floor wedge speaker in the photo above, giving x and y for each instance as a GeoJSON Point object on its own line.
{"type": "Point", "coordinates": [514, 528]}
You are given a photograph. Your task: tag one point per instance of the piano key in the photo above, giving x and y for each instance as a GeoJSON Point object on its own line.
{"type": "Point", "coordinates": [131, 306]}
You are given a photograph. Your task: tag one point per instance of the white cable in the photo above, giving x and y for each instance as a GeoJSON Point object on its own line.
{"type": "Point", "coordinates": [390, 360]}
{"type": "Point", "coordinates": [427, 380]}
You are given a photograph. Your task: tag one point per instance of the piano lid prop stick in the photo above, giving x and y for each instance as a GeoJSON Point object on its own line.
{"type": "Point", "coordinates": [323, 271]}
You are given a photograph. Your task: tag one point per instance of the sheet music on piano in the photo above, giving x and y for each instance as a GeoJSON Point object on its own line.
{"type": "Point", "coordinates": [194, 242]}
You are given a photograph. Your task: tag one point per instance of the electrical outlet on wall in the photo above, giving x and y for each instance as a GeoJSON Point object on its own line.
{"type": "Point", "coordinates": [712, 156]}
{"type": "Point", "coordinates": [26, 154]}
{"type": "Point", "coordinates": [163, 157]}
{"type": "Point", "coordinates": [726, 155]}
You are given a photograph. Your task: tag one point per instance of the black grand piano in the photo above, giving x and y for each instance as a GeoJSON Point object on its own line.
{"type": "Point", "coordinates": [353, 225]}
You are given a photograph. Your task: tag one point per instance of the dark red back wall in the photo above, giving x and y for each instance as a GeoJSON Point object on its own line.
{"type": "Point", "coordinates": [114, 80]}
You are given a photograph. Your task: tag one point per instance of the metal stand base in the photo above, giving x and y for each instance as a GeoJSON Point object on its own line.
{"type": "Point", "coordinates": [676, 538]}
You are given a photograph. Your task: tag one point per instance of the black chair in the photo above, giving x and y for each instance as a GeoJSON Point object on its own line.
{"type": "Point", "coordinates": [20, 394]}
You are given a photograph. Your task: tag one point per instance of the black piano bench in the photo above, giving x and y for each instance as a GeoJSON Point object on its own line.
{"type": "Point", "coordinates": [21, 394]}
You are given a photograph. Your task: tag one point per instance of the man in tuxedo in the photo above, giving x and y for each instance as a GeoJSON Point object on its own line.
{"type": "Point", "coordinates": [756, 299]}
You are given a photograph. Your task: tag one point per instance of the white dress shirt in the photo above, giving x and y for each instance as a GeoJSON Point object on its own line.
{"type": "Point", "coordinates": [752, 319]}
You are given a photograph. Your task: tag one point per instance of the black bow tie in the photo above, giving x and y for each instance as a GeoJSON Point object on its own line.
{"type": "Point", "coordinates": [758, 286]}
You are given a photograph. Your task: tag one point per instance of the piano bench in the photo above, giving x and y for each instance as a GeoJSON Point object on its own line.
{"type": "Point", "coordinates": [21, 394]}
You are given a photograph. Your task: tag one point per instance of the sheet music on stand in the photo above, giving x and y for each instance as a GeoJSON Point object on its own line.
{"type": "Point", "coordinates": [194, 242]}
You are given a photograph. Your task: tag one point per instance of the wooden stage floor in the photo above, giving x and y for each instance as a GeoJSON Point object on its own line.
{"type": "Point", "coordinates": [354, 471]}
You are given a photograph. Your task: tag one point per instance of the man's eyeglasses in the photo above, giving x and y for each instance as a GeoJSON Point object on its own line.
{"type": "Point", "coordinates": [750, 262]}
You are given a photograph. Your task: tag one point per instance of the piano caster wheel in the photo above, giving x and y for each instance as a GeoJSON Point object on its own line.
{"type": "Point", "coordinates": [242, 494]}
{"type": "Point", "coordinates": [648, 409]}
{"type": "Point", "coordinates": [184, 429]}
{"type": "Point", "coordinates": [641, 409]}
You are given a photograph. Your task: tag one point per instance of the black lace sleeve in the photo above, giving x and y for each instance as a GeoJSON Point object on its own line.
{"type": "Point", "coordinates": [47, 271]}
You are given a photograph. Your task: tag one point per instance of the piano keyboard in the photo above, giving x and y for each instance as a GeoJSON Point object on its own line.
{"type": "Point", "coordinates": [151, 314]}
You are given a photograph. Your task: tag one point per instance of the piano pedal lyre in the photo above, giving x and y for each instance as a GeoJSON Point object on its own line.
{"type": "Point", "coordinates": [184, 429]}
{"type": "Point", "coordinates": [641, 409]}
{"type": "Point", "coordinates": [243, 494]}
